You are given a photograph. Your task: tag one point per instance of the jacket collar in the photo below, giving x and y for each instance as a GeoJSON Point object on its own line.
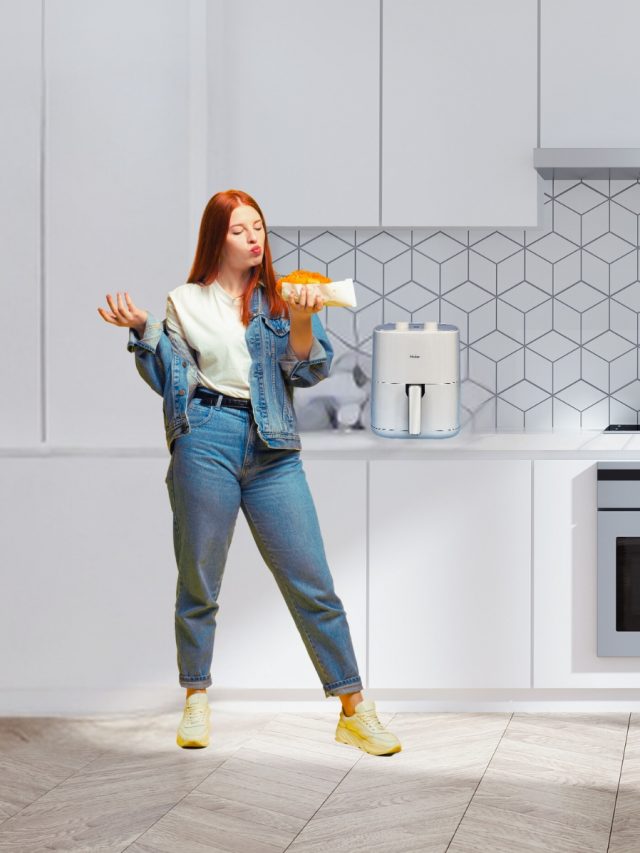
{"type": "Point", "coordinates": [256, 300]}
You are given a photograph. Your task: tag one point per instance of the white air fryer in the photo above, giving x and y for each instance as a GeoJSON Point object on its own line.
{"type": "Point", "coordinates": [415, 382]}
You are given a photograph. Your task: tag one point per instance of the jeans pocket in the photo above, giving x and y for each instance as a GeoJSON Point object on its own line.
{"type": "Point", "coordinates": [199, 413]}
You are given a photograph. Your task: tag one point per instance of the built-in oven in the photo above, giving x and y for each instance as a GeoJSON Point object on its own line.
{"type": "Point", "coordinates": [618, 558]}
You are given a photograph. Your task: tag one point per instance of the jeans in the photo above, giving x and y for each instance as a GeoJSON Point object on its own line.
{"type": "Point", "coordinates": [221, 465]}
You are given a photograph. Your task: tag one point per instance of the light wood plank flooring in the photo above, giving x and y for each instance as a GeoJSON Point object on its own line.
{"type": "Point", "coordinates": [464, 782]}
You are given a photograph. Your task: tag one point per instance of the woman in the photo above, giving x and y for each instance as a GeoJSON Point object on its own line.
{"type": "Point", "coordinates": [232, 436]}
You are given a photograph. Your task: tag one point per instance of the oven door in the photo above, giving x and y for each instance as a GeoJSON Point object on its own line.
{"type": "Point", "coordinates": [618, 582]}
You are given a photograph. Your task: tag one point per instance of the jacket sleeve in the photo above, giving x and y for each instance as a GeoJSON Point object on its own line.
{"type": "Point", "coordinates": [302, 373]}
{"type": "Point", "coordinates": [153, 353]}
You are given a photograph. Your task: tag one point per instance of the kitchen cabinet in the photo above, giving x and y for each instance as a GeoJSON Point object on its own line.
{"type": "Point", "coordinates": [459, 114]}
{"type": "Point", "coordinates": [330, 121]}
{"type": "Point", "coordinates": [589, 74]}
{"type": "Point", "coordinates": [128, 637]}
{"type": "Point", "coordinates": [257, 643]}
{"type": "Point", "coordinates": [449, 573]}
{"type": "Point", "coordinates": [115, 195]}
{"type": "Point", "coordinates": [431, 557]}
{"type": "Point", "coordinates": [20, 176]}
{"type": "Point", "coordinates": [293, 108]}
{"type": "Point", "coordinates": [565, 581]}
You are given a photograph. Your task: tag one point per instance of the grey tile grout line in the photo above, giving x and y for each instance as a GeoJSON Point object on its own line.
{"type": "Point", "coordinates": [330, 794]}
{"type": "Point", "coordinates": [479, 782]}
{"type": "Point", "coordinates": [615, 802]}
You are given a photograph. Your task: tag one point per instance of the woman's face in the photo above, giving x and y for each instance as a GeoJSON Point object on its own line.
{"type": "Point", "coordinates": [244, 246]}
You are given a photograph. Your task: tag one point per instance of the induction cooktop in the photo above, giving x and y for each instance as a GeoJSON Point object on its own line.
{"type": "Point", "coordinates": [622, 428]}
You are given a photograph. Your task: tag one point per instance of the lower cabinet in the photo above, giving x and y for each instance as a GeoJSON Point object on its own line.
{"type": "Point", "coordinates": [449, 574]}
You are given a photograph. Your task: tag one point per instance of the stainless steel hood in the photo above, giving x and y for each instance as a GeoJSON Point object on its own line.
{"type": "Point", "coordinates": [587, 162]}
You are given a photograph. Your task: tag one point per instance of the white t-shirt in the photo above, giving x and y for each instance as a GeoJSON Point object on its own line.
{"type": "Point", "coordinates": [208, 319]}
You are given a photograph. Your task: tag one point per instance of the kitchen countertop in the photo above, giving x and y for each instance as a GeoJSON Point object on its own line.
{"type": "Point", "coordinates": [364, 444]}
{"type": "Point", "coordinates": [514, 444]}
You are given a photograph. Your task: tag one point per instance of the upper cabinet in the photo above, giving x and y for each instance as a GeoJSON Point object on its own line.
{"type": "Point", "coordinates": [20, 215]}
{"type": "Point", "coordinates": [367, 113]}
{"type": "Point", "coordinates": [459, 113]}
{"type": "Point", "coordinates": [293, 106]}
{"type": "Point", "coordinates": [589, 74]}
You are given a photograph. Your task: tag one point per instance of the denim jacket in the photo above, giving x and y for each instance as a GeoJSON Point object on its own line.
{"type": "Point", "coordinates": [168, 364]}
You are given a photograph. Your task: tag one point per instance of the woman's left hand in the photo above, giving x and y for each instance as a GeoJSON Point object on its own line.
{"type": "Point", "coordinates": [309, 302]}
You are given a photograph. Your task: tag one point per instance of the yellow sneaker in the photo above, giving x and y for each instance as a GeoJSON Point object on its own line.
{"type": "Point", "coordinates": [364, 730]}
{"type": "Point", "coordinates": [194, 726]}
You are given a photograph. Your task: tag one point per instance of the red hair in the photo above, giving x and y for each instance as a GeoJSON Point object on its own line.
{"type": "Point", "coordinates": [211, 239]}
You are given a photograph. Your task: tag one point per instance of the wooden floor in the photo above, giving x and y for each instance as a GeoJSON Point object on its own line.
{"type": "Point", "coordinates": [499, 782]}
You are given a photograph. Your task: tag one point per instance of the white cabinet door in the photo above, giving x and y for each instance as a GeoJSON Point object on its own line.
{"type": "Point", "coordinates": [257, 644]}
{"type": "Point", "coordinates": [116, 208]}
{"type": "Point", "coordinates": [459, 113]}
{"type": "Point", "coordinates": [20, 212]}
{"type": "Point", "coordinates": [565, 560]}
{"type": "Point", "coordinates": [89, 580]}
{"type": "Point", "coordinates": [589, 74]}
{"type": "Point", "coordinates": [449, 584]}
{"type": "Point", "coordinates": [293, 102]}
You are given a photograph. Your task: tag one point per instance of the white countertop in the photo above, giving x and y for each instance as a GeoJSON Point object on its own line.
{"type": "Point", "coordinates": [365, 444]}
{"type": "Point", "coordinates": [516, 444]}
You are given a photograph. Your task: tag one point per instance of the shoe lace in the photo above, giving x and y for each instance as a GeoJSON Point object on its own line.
{"type": "Point", "coordinates": [370, 719]}
{"type": "Point", "coordinates": [194, 714]}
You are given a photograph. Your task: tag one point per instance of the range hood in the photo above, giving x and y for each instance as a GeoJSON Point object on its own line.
{"type": "Point", "coordinates": [587, 162]}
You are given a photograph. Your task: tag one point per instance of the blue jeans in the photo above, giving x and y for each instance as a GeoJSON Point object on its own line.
{"type": "Point", "coordinates": [221, 465]}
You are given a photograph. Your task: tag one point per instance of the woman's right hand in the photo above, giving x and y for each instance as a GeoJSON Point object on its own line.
{"type": "Point", "coordinates": [129, 316]}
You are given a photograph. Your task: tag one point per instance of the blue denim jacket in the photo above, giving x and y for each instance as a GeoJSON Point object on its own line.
{"type": "Point", "coordinates": [168, 364]}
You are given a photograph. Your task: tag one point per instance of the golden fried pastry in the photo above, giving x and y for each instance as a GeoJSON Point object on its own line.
{"type": "Point", "coordinates": [338, 293]}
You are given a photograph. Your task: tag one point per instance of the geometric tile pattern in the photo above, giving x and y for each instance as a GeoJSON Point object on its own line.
{"type": "Point", "coordinates": [548, 317]}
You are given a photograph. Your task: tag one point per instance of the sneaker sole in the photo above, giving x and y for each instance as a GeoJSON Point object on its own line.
{"type": "Point", "coordinates": [352, 740]}
{"type": "Point", "coordinates": [192, 743]}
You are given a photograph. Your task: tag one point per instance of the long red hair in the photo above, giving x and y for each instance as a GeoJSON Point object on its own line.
{"type": "Point", "coordinates": [211, 239]}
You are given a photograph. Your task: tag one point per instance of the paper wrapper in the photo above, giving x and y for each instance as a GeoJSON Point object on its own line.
{"type": "Point", "coordinates": [338, 293]}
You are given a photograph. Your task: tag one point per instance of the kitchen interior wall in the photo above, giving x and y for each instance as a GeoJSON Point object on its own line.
{"type": "Point", "coordinates": [548, 317]}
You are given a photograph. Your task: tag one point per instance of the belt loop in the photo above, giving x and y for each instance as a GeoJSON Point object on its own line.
{"type": "Point", "coordinates": [219, 403]}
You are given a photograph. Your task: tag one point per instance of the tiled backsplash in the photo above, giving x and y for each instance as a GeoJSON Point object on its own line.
{"type": "Point", "coordinates": [548, 317]}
